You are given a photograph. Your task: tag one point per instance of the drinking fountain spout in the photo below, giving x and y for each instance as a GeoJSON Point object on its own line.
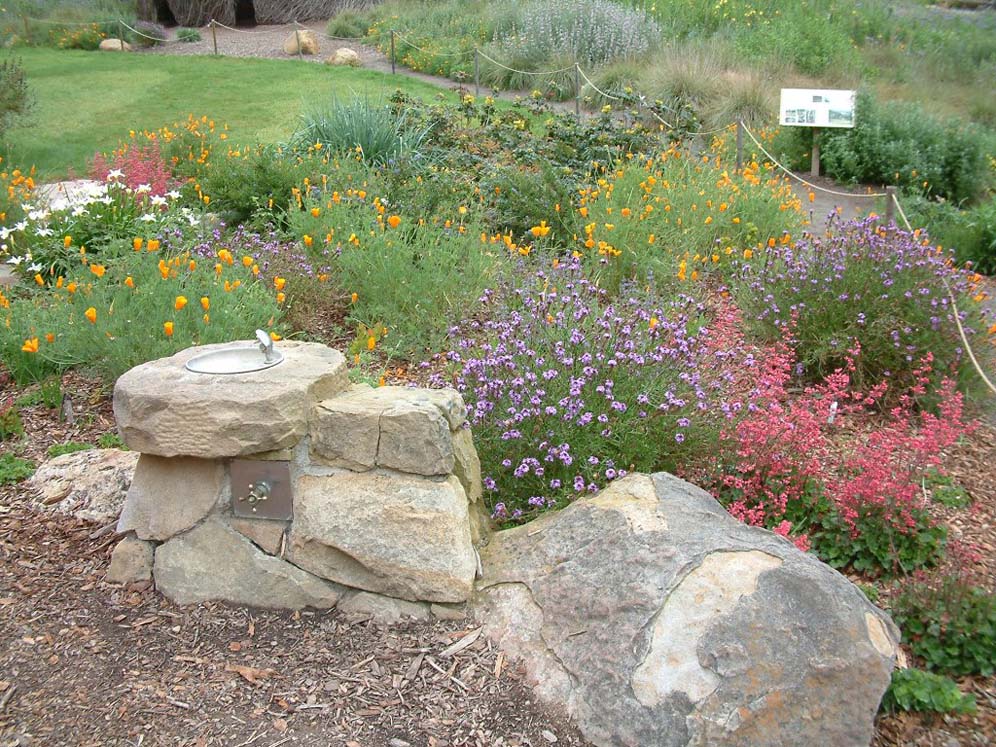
{"type": "Point", "coordinates": [265, 345]}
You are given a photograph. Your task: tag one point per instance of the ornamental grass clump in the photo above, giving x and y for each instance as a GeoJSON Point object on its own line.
{"type": "Point", "coordinates": [884, 289]}
{"type": "Point", "coordinates": [569, 388]}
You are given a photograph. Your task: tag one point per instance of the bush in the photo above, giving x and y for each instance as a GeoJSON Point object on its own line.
{"type": "Point", "coordinates": [148, 34]}
{"type": "Point", "coordinates": [969, 232]}
{"type": "Point", "coordinates": [251, 179]}
{"type": "Point", "coordinates": [138, 307]}
{"type": "Point", "coordinates": [357, 125]}
{"type": "Point", "coordinates": [883, 290]}
{"type": "Point", "coordinates": [949, 623]}
{"type": "Point", "coordinates": [412, 276]}
{"type": "Point", "coordinates": [901, 144]}
{"type": "Point", "coordinates": [569, 388]}
{"type": "Point", "coordinates": [188, 35]}
{"type": "Point", "coordinates": [15, 97]}
{"type": "Point", "coordinates": [590, 32]}
{"type": "Point", "coordinates": [916, 690]}
{"type": "Point", "coordinates": [347, 25]}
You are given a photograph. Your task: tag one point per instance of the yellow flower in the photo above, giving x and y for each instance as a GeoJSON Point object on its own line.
{"type": "Point", "coordinates": [275, 337]}
{"type": "Point", "coordinates": [207, 200]}
{"type": "Point", "coordinates": [626, 212]}
{"type": "Point", "coordinates": [315, 212]}
{"type": "Point", "coordinates": [71, 287]}
{"type": "Point", "coordinates": [653, 322]}
{"type": "Point", "coordinates": [168, 329]}
{"type": "Point", "coordinates": [354, 298]}
{"type": "Point", "coordinates": [152, 245]}
{"type": "Point", "coordinates": [129, 282]}
{"type": "Point", "coordinates": [308, 241]}
{"type": "Point", "coordinates": [748, 254]}
{"type": "Point", "coordinates": [180, 302]}
{"type": "Point", "coordinates": [30, 345]}
{"type": "Point", "coordinates": [281, 297]}
{"type": "Point", "coordinates": [247, 261]}
{"type": "Point", "coordinates": [394, 221]}
{"type": "Point", "coordinates": [279, 283]}
{"type": "Point", "coordinates": [98, 270]}
{"type": "Point", "coordinates": [67, 241]}
{"type": "Point", "coordinates": [371, 343]}
{"type": "Point", "coordinates": [91, 315]}
{"type": "Point", "coordinates": [39, 279]}
{"type": "Point", "coordinates": [136, 244]}
{"type": "Point", "coordinates": [205, 303]}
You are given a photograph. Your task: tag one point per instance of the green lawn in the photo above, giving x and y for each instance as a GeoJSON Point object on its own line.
{"type": "Point", "coordinates": [87, 101]}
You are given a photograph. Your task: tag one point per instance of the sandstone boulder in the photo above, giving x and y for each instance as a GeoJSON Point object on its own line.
{"type": "Point", "coordinates": [114, 45]}
{"type": "Point", "coordinates": [169, 496]}
{"type": "Point", "coordinates": [163, 409]}
{"type": "Point", "coordinates": [89, 485]}
{"type": "Point", "coordinates": [410, 430]}
{"type": "Point", "coordinates": [131, 561]}
{"type": "Point", "coordinates": [400, 535]}
{"type": "Point", "coordinates": [362, 605]}
{"type": "Point", "coordinates": [656, 619]}
{"type": "Point", "coordinates": [302, 40]}
{"type": "Point", "coordinates": [344, 56]}
{"type": "Point", "coordinates": [212, 562]}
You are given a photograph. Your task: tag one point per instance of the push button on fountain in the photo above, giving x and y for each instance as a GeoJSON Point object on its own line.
{"type": "Point", "coordinates": [261, 489]}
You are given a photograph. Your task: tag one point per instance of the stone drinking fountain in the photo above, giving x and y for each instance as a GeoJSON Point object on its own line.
{"type": "Point", "coordinates": [266, 479]}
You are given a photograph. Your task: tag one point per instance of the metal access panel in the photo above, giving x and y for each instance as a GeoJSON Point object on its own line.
{"type": "Point", "coordinates": [261, 489]}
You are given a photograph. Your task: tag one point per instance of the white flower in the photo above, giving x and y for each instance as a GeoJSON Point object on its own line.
{"type": "Point", "coordinates": [114, 174]}
{"type": "Point", "coordinates": [36, 267]}
{"type": "Point", "coordinates": [193, 220]}
{"type": "Point", "coordinates": [5, 233]}
{"type": "Point", "coordinates": [173, 194]}
{"type": "Point", "coordinates": [21, 226]}
{"type": "Point", "coordinates": [78, 211]}
{"type": "Point", "coordinates": [15, 261]}
{"type": "Point", "coordinates": [147, 218]}
{"type": "Point", "coordinates": [38, 215]}
{"type": "Point", "coordinates": [107, 200]}
{"type": "Point", "coordinates": [44, 232]}
{"type": "Point", "coordinates": [141, 189]}
{"type": "Point", "coordinates": [158, 200]}
{"type": "Point", "coordinates": [27, 208]}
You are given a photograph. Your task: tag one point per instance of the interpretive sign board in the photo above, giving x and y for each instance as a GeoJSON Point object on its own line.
{"type": "Point", "coordinates": [810, 107]}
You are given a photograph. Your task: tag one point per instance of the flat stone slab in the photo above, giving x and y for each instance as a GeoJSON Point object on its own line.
{"type": "Point", "coordinates": [90, 484]}
{"type": "Point", "coordinates": [163, 409]}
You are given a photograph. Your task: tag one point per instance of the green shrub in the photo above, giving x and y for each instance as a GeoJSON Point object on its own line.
{"type": "Point", "coordinates": [14, 469]}
{"type": "Point", "coordinates": [348, 24]}
{"type": "Point", "coordinates": [110, 440]}
{"type": "Point", "coordinates": [188, 35]}
{"type": "Point", "coordinates": [946, 491]}
{"type": "Point", "coordinates": [916, 690]}
{"type": "Point", "coordinates": [15, 97]}
{"type": "Point", "coordinates": [373, 130]}
{"type": "Point", "coordinates": [11, 425]}
{"type": "Point", "coordinates": [69, 447]}
{"type": "Point", "coordinates": [264, 177]}
{"type": "Point", "coordinates": [950, 624]}
{"type": "Point", "coordinates": [969, 232]}
{"type": "Point", "coordinates": [901, 144]}
{"type": "Point", "coordinates": [48, 393]}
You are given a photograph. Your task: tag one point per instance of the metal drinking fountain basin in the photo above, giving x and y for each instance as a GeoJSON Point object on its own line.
{"type": "Point", "coordinates": [237, 360]}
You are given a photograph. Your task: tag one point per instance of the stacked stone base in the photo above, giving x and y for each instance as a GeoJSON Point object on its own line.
{"type": "Point", "coordinates": [385, 488]}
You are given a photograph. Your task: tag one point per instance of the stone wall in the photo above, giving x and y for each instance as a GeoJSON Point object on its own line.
{"type": "Point", "coordinates": [385, 485]}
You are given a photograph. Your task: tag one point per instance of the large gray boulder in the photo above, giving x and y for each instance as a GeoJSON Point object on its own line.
{"type": "Point", "coordinates": [657, 619]}
{"type": "Point", "coordinates": [213, 562]}
{"type": "Point", "coordinates": [400, 535]}
{"type": "Point", "coordinates": [163, 409]}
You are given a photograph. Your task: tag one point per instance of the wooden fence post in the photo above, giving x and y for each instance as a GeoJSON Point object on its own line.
{"type": "Point", "coordinates": [814, 169]}
{"type": "Point", "coordinates": [214, 37]}
{"type": "Point", "coordinates": [890, 204]}
{"type": "Point", "coordinates": [577, 91]}
{"type": "Point", "coordinates": [393, 70]}
{"type": "Point", "coordinates": [740, 145]}
{"type": "Point", "coordinates": [477, 72]}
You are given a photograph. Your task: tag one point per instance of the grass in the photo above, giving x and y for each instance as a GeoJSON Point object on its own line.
{"type": "Point", "coordinates": [87, 101]}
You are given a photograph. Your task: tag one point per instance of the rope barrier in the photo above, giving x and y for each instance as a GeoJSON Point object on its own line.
{"type": "Point", "coordinates": [274, 30]}
{"type": "Point", "coordinates": [524, 72]}
{"type": "Point", "coordinates": [156, 39]}
{"type": "Point", "coordinates": [799, 178]}
{"type": "Point", "coordinates": [954, 307]}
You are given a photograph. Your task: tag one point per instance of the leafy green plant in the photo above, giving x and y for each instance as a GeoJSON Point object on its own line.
{"type": "Point", "coordinates": [69, 447]}
{"type": "Point", "coordinates": [916, 690]}
{"type": "Point", "coordinates": [949, 623]}
{"type": "Point", "coordinates": [188, 35]}
{"type": "Point", "coordinates": [14, 469]}
{"type": "Point", "coordinates": [347, 24]}
{"type": "Point", "coordinates": [110, 440]}
{"type": "Point", "coordinates": [48, 393]}
{"type": "Point", "coordinates": [264, 177]}
{"type": "Point", "coordinates": [945, 490]}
